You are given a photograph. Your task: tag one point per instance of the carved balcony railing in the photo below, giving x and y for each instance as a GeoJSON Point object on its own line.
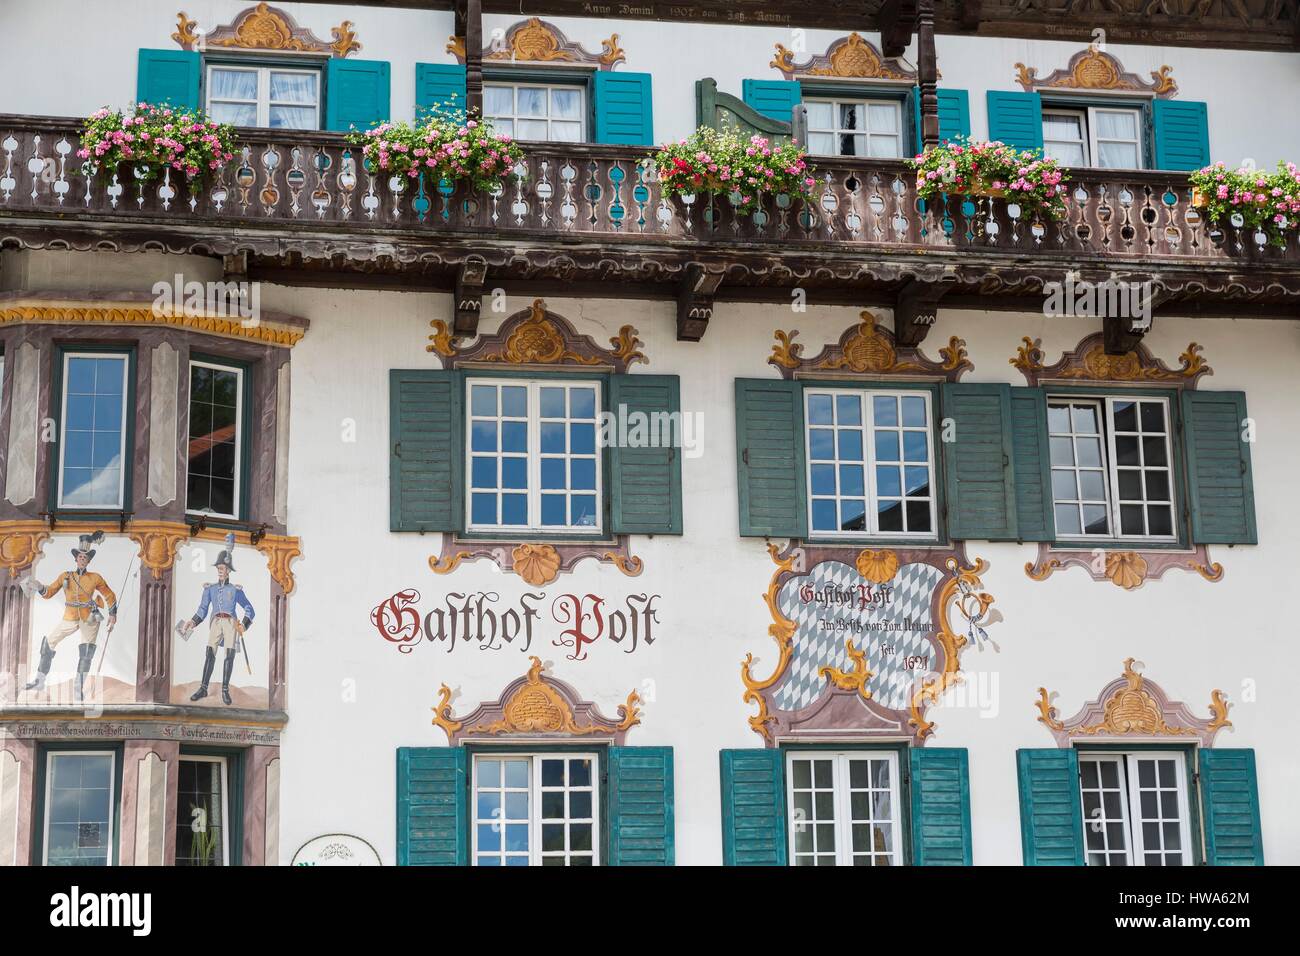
{"type": "Point", "coordinates": [283, 182]}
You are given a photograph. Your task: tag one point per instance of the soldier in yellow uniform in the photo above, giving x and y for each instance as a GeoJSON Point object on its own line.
{"type": "Point", "coordinates": [84, 594]}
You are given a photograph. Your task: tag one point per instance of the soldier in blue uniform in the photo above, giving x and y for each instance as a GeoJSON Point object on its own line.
{"type": "Point", "coordinates": [223, 599]}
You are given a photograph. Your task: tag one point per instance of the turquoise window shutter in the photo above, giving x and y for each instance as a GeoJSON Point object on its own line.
{"type": "Point", "coordinates": [647, 482]}
{"type": "Point", "coordinates": [1031, 465]}
{"type": "Point", "coordinates": [623, 108]}
{"type": "Point", "coordinates": [941, 829]}
{"type": "Point", "coordinates": [770, 458]}
{"type": "Point", "coordinates": [439, 84]}
{"type": "Point", "coordinates": [356, 94]}
{"type": "Point", "coordinates": [1182, 134]}
{"type": "Point", "coordinates": [1230, 804]}
{"type": "Point", "coordinates": [981, 498]}
{"type": "Point", "coordinates": [954, 115]}
{"type": "Point", "coordinates": [1051, 808]}
{"type": "Point", "coordinates": [168, 76]}
{"type": "Point", "coordinates": [641, 806]}
{"type": "Point", "coordinates": [1220, 483]}
{"type": "Point", "coordinates": [1016, 119]}
{"type": "Point", "coordinates": [432, 805]}
{"type": "Point", "coordinates": [773, 98]}
{"type": "Point", "coordinates": [426, 451]}
{"type": "Point", "coordinates": [753, 808]}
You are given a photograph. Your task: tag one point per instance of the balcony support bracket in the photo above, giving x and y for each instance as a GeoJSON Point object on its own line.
{"type": "Point", "coordinates": [695, 301]}
{"type": "Point", "coordinates": [1122, 334]}
{"type": "Point", "coordinates": [467, 304]}
{"type": "Point", "coordinates": [916, 308]}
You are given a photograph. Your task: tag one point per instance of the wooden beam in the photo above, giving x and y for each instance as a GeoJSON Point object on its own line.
{"type": "Point", "coordinates": [695, 302]}
{"type": "Point", "coordinates": [467, 301]}
{"type": "Point", "coordinates": [927, 72]}
{"type": "Point", "coordinates": [469, 27]}
{"type": "Point", "coordinates": [970, 13]}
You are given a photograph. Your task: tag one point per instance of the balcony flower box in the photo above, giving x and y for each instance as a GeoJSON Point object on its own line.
{"type": "Point", "coordinates": [1266, 203]}
{"type": "Point", "coordinates": [447, 147]}
{"type": "Point", "coordinates": [992, 171]}
{"type": "Point", "coordinates": [156, 141]}
{"type": "Point", "coordinates": [742, 171]}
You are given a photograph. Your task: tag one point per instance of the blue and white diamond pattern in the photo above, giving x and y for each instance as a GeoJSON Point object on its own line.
{"type": "Point", "coordinates": [891, 683]}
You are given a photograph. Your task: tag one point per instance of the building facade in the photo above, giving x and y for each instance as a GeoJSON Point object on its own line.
{"type": "Point", "coordinates": [354, 521]}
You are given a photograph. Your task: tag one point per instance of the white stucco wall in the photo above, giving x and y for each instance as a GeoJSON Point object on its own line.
{"type": "Point", "coordinates": [1243, 89]}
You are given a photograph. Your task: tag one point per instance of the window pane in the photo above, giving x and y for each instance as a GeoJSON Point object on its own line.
{"type": "Point", "coordinates": [531, 100]}
{"type": "Point", "coordinates": [884, 117]}
{"type": "Point", "coordinates": [1118, 156]}
{"type": "Point", "coordinates": [498, 100]}
{"type": "Point", "coordinates": [79, 815]}
{"type": "Point", "coordinates": [533, 129]}
{"type": "Point", "coordinates": [293, 117]}
{"type": "Point", "coordinates": [821, 144]}
{"type": "Point", "coordinates": [1116, 124]}
{"type": "Point", "coordinates": [820, 115]}
{"type": "Point", "coordinates": [215, 439]}
{"type": "Point", "coordinates": [1060, 126]}
{"type": "Point", "coordinates": [293, 88]}
{"type": "Point", "coordinates": [1067, 154]}
{"type": "Point", "coordinates": [201, 813]}
{"type": "Point", "coordinates": [93, 408]}
{"type": "Point", "coordinates": [566, 132]}
{"type": "Point", "coordinates": [566, 104]}
{"type": "Point", "coordinates": [886, 147]}
{"type": "Point", "coordinates": [233, 84]}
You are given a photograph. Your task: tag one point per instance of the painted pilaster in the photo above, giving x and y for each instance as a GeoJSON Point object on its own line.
{"type": "Point", "coordinates": [164, 366]}
{"type": "Point", "coordinates": [277, 679]}
{"type": "Point", "coordinates": [262, 806]}
{"type": "Point", "coordinates": [24, 424]}
{"type": "Point", "coordinates": [15, 611]}
{"type": "Point", "coordinates": [17, 798]}
{"type": "Point", "coordinates": [153, 670]}
{"type": "Point", "coordinates": [149, 775]}
{"type": "Point", "coordinates": [282, 445]}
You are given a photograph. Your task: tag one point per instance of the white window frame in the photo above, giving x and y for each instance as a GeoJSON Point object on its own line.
{"type": "Point", "coordinates": [534, 458]}
{"type": "Point", "coordinates": [869, 463]}
{"type": "Point", "coordinates": [1127, 762]}
{"type": "Point", "coordinates": [63, 430]}
{"type": "Point", "coordinates": [900, 133]}
{"type": "Point", "coordinates": [225, 797]}
{"type": "Point", "coordinates": [1088, 116]}
{"type": "Point", "coordinates": [514, 85]}
{"type": "Point", "coordinates": [263, 101]}
{"type": "Point", "coordinates": [111, 837]}
{"type": "Point", "coordinates": [239, 439]}
{"type": "Point", "coordinates": [1109, 464]}
{"type": "Point", "coordinates": [534, 758]}
{"type": "Point", "coordinates": [843, 821]}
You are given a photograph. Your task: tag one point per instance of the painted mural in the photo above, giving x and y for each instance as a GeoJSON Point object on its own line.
{"type": "Point", "coordinates": [867, 640]}
{"type": "Point", "coordinates": [84, 620]}
{"type": "Point", "coordinates": [220, 650]}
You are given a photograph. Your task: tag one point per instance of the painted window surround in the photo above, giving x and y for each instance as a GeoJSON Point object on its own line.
{"type": "Point", "coordinates": [261, 361]}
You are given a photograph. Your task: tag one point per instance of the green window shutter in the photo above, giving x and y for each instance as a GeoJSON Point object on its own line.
{"type": "Point", "coordinates": [753, 808]}
{"type": "Point", "coordinates": [426, 476]}
{"type": "Point", "coordinates": [439, 84]}
{"type": "Point", "coordinates": [941, 830]}
{"type": "Point", "coordinates": [775, 99]}
{"type": "Point", "coordinates": [168, 76]}
{"type": "Point", "coordinates": [1230, 804]}
{"type": "Point", "coordinates": [641, 806]}
{"type": "Point", "coordinates": [1051, 809]}
{"type": "Point", "coordinates": [981, 500]}
{"type": "Point", "coordinates": [770, 458]}
{"type": "Point", "coordinates": [954, 115]}
{"type": "Point", "coordinates": [1220, 485]}
{"type": "Point", "coordinates": [647, 481]}
{"type": "Point", "coordinates": [432, 798]}
{"type": "Point", "coordinates": [1016, 119]}
{"type": "Point", "coordinates": [1182, 134]}
{"type": "Point", "coordinates": [356, 94]}
{"type": "Point", "coordinates": [623, 108]}
{"type": "Point", "coordinates": [1031, 465]}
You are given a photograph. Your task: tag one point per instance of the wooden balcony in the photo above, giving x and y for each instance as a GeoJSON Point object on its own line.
{"type": "Point", "coordinates": [301, 207]}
